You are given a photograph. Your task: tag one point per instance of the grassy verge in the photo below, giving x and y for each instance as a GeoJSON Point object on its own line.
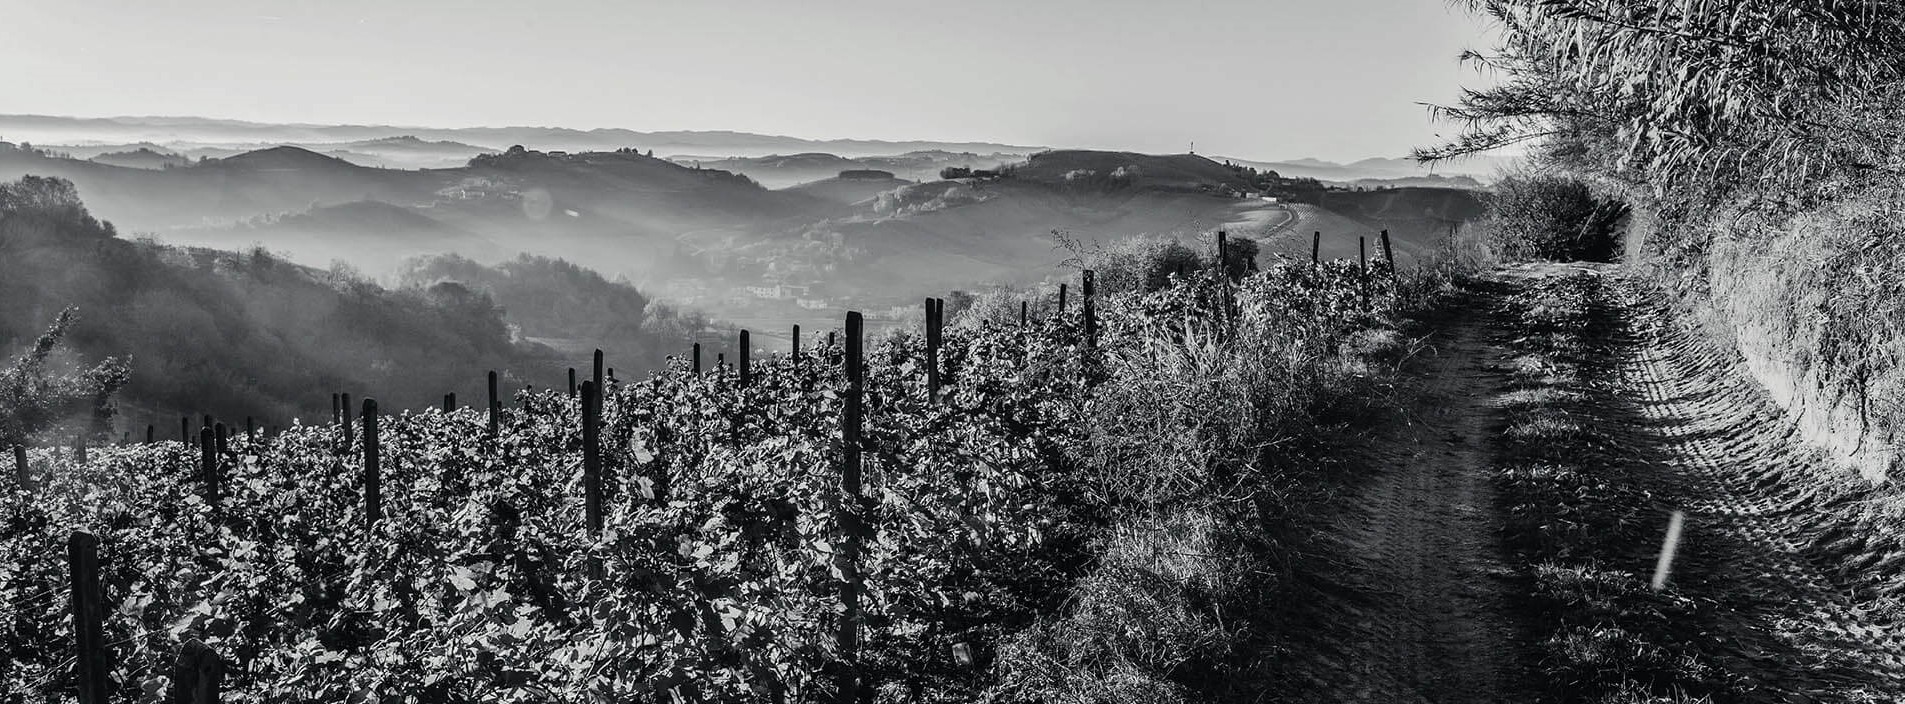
{"type": "Point", "coordinates": [1183, 600]}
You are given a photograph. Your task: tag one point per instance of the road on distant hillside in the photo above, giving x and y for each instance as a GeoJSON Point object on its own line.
{"type": "Point", "coordinates": [1259, 219]}
{"type": "Point", "coordinates": [1445, 574]}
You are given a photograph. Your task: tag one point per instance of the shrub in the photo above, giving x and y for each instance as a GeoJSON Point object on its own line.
{"type": "Point", "coordinates": [1537, 216]}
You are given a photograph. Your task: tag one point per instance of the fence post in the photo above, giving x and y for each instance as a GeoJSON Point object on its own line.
{"type": "Point", "coordinates": [932, 349]}
{"type": "Point", "coordinates": [795, 349]}
{"type": "Point", "coordinates": [597, 370]}
{"type": "Point", "coordinates": [196, 675]}
{"type": "Point", "coordinates": [1388, 254]}
{"type": "Point", "coordinates": [720, 363]}
{"type": "Point", "coordinates": [1362, 267]}
{"type": "Point", "coordinates": [1061, 302]}
{"type": "Point", "coordinates": [495, 407]}
{"type": "Point", "coordinates": [449, 402]}
{"type": "Point", "coordinates": [741, 358]}
{"type": "Point", "coordinates": [1024, 311]}
{"type": "Point", "coordinates": [82, 559]}
{"type": "Point", "coordinates": [571, 382]}
{"type": "Point", "coordinates": [345, 422]}
{"type": "Point", "coordinates": [251, 430]}
{"type": "Point", "coordinates": [696, 366]}
{"type": "Point", "coordinates": [373, 456]}
{"type": "Point", "coordinates": [223, 438]}
{"type": "Point", "coordinates": [848, 683]}
{"type": "Point", "coordinates": [592, 456]}
{"type": "Point", "coordinates": [21, 473]}
{"type": "Point", "coordinates": [1223, 254]}
{"type": "Point", "coordinates": [1086, 286]}
{"type": "Point", "coordinates": [185, 427]}
{"type": "Point", "coordinates": [1316, 247]}
{"type": "Point", "coordinates": [208, 464]}
{"type": "Point", "coordinates": [150, 431]}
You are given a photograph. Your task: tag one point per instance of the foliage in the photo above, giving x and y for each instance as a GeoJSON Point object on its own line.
{"type": "Point", "coordinates": [1537, 216]}
{"type": "Point", "coordinates": [231, 333]}
{"type": "Point", "coordinates": [717, 573]}
{"type": "Point", "coordinates": [554, 298]}
{"type": "Point", "coordinates": [33, 398]}
{"type": "Point", "coordinates": [1678, 91]}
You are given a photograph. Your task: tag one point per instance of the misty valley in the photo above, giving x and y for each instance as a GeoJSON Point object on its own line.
{"type": "Point", "coordinates": [579, 352]}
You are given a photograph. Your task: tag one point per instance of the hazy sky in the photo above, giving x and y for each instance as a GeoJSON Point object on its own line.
{"type": "Point", "coordinates": [1336, 79]}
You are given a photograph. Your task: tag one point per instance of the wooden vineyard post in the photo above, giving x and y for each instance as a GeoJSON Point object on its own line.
{"type": "Point", "coordinates": [337, 416]}
{"type": "Point", "coordinates": [1389, 255]}
{"type": "Point", "coordinates": [848, 682]}
{"type": "Point", "coordinates": [208, 464]}
{"type": "Point", "coordinates": [1223, 254]}
{"type": "Point", "coordinates": [597, 371]}
{"type": "Point", "coordinates": [720, 363]}
{"type": "Point", "coordinates": [571, 382]}
{"type": "Point", "coordinates": [373, 461]}
{"type": "Point", "coordinates": [741, 358]}
{"type": "Point", "coordinates": [794, 350]}
{"type": "Point", "coordinates": [939, 342]}
{"type": "Point", "coordinates": [150, 431]}
{"type": "Point", "coordinates": [185, 428]}
{"type": "Point", "coordinates": [251, 430]}
{"type": "Point", "coordinates": [495, 408]}
{"type": "Point", "coordinates": [79, 448]}
{"type": "Point", "coordinates": [695, 365]}
{"type": "Point", "coordinates": [1316, 247]}
{"type": "Point", "coordinates": [449, 403]}
{"type": "Point", "coordinates": [90, 668]}
{"type": "Point", "coordinates": [1223, 274]}
{"type": "Point", "coordinates": [592, 457]}
{"type": "Point", "coordinates": [1362, 268]}
{"type": "Point", "coordinates": [1061, 302]}
{"type": "Point", "coordinates": [1085, 289]}
{"type": "Point", "coordinates": [22, 475]}
{"type": "Point", "coordinates": [1025, 310]}
{"type": "Point", "coordinates": [345, 422]}
{"type": "Point", "coordinates": [223, 440]}
{"type": "Point", "coordinates": [932, 349]}
{"type": "Point", "coordinates": [197, 675]}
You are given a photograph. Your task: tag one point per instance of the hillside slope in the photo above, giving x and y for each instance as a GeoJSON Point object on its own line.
{"type": "Point", "coordinates": [232, 333]}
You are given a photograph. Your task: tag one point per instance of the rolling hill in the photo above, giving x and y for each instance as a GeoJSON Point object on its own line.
{"type": "Point", "coordinates": [141, 158]}
{"type": "Point", "coordinates": [850, 187]}
{"type": "Point", "coordinates": [50, 129]}
{"type": "Point", "coordinates": [782, 171]}
{"type": "Point", "coordinates": [702, 235]}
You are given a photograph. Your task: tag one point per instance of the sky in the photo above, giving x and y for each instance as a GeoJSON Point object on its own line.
{"type": "Point", "coordinates": [1264, 79]}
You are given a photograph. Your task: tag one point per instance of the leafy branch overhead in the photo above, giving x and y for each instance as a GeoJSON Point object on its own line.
{"type": "Point", "coordinates": [1755, 87]}
{"type": "Point", "coordinates": [34, 398]}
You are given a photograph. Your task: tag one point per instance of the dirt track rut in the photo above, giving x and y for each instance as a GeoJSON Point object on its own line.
{"type": "Point", "coordinates": [1426, 592]}
{"type": "Point", "coordinates": [1757, 501]}
{"type": "Point", "coordinates": [1792, 599]}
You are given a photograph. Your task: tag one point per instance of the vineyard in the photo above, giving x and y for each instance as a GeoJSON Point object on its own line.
{"type": "Point", "coordinates": [837, 523]}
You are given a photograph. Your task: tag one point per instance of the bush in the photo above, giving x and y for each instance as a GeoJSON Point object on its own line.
{"type": "Point", "coordinates": [1543, 217]}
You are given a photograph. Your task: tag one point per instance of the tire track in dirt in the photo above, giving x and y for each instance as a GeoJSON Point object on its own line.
{"type": "Point", "coordinates": [1417, 596]}
{"type": "Point", "coordinates": [1760, 507]}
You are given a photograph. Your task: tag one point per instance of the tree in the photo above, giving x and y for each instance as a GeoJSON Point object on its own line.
{"type": "Point", "coordinates": [1713, 91]}
{"type": "Point", "coordinates": [33, 398]}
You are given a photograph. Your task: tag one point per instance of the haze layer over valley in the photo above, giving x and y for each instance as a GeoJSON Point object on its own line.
{"type": "Point", "coordinates": [756, 228]}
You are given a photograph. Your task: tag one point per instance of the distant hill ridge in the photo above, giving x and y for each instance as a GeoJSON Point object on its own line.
{"type": "Point", "coordinates": [50, 129]}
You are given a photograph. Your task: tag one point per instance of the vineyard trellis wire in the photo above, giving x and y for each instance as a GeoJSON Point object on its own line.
{"type": "Point", "coordinates": [695, 536]}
